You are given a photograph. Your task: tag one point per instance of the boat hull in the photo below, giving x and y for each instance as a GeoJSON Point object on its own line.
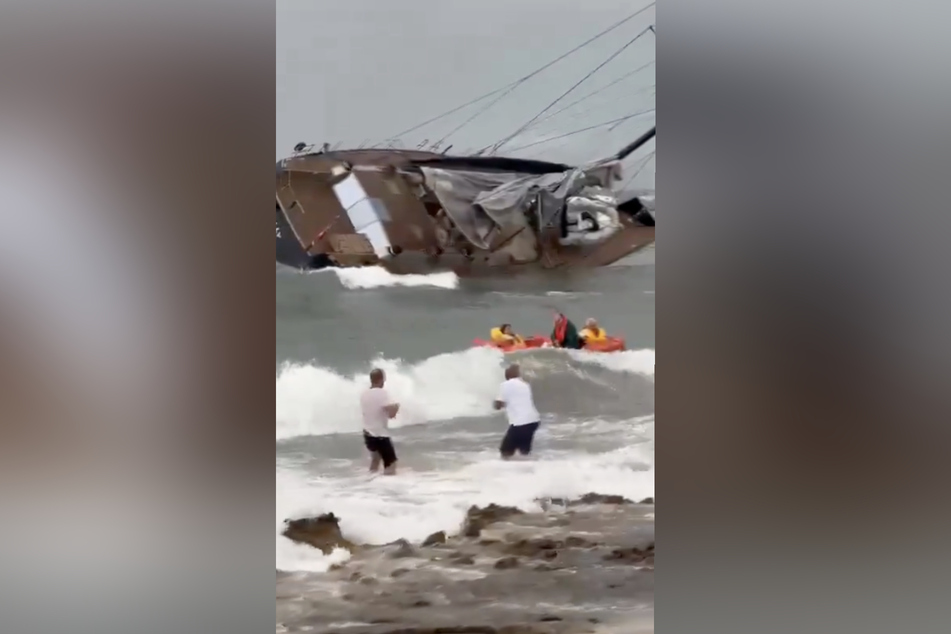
{"type": "Point", "coordinates": [356, 208]}
{"type": "Point", "coordinates": [612, 344]}
{"type": "Point", "coordinates": [421, 263]}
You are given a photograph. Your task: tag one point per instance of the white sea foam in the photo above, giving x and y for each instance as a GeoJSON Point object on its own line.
{"type": "Point", "coordinates": [377, 277]}
{"type": "Point", "coordinates": [316, 401]}
{"type": "Point", "coordinates": [313, 400]}
{"type": "Point", "coordinates": [416, 504]}
{"type": "Point", "coordinates": [633, 361]}
{"type": "Point", "coordinates": [291, 492]}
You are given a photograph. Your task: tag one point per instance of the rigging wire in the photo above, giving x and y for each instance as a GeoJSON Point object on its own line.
{"type": "Point", "coordinates": [582, 115]}
{"type": "Point", "coordinates": [524, 126]}
{"type": "Point", "coordinates": [647, 159]}
{"type": "Point", "coordinates": [592, 127]}
{"type": "Point", "coordinates": [570, 118]}
{"type": "Point", "coordinates": [477, 113]}
{"type": "Point", "coordinates": [515, 84]}
{"type": "Point", "coordinates": [453, 111]}
{"type": "Point", "coordinates": [593, 93]}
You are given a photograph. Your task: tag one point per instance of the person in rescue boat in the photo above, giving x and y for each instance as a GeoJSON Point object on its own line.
{"type": "Point", "coordinates": [592, 333]}
{"type": "Point", "coordinates": [503, 335]}
{"type": "Point", "coordinates": [565, 334]}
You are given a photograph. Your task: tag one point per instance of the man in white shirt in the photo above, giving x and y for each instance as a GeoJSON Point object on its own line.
{"type": "Point", "coordinates": [515, 396]}
{"type": "Point", "coordinates": [377, 409]}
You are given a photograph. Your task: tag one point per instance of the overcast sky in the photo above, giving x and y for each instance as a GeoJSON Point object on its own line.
{"type": "Point", "coordinates": [365, 70]}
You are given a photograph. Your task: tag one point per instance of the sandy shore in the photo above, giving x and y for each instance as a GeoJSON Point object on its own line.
{"type": "Point", "coordinates": [574, 567]}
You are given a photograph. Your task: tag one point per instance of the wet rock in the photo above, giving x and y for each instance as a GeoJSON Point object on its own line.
{"type": "Point", "coordinates": [511, 568]}
{"type": "Point", "coordinates": [400, 549]}
{"type": "Point", "coordinates": [587, 498]}
{"type": "Point", "coordinates": [573, 541]}
{"type": "Point", "coordinates": [321, 532]}
{"type": "Point", "coordinates": [532, 547]}
{"type": "Point", "coordinates": [632, 555]}
{"type": "Point", "coordinates": [598, 498]}
{"type": "Point", "coordinates": [520, 629]}
{"type": "Point", "coordinates": [434, 539]}
{"type": "Point", "coordinates": [478, 518]}
{"type": "Point", "coordinates": [505, 563]}
{"type": "Point", "coordinates": [647, 501]}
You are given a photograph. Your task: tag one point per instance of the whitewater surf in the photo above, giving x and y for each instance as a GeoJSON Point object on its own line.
{"type": "Point", "coordinates": [447, 434]}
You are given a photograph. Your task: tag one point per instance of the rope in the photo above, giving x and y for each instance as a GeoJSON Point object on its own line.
{"type": "Point", "coordinates": [593, 93]}
{"type": "Point", "coordinates": [499, 144]}
{"type": "Point", "coordinates": [573, 132]}
{"type": "Point", "coordinates": [640, 169]}
{"type": "Point", "coordinates": [515, 84]}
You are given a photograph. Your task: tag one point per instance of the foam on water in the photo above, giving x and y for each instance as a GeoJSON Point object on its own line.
{"type": "Point", "coordinates": [377, 277]}
{"type": "Point", "coordinates": [316, 401]}
{"type": "Point", "coordinates": [412, 505]}
{"type": "Point", "coordinates": [313, 400]}
{"type": "Point", "coordinates": [633, 361]}
{"type": "Point", "coordinates": [292, 494]}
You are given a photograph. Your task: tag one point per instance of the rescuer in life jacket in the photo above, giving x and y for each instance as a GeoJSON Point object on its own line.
{"type": "Point", "coordinates": [565, 334]}
{"type": "Point", "coordinates": [504, 336]}
{"type": "Point", "coordinates": [592, 333]}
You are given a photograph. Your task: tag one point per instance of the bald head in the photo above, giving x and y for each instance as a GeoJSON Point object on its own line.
{"type": "Point", "coordinates": [512, 372]}
{"type": "Point", "coordinates": [377, 377]}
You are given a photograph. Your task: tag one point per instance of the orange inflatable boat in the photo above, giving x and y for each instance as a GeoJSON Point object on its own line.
{"type": "Point", "coordinates": [536, 341]}
{"type": "Point", "coordinates": [612, 344]}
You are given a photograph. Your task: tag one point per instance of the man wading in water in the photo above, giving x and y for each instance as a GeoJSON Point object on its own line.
{"type": "Point", "coordinates": [378, 409]}
{"type": "Point", "coordinates": [515, 396]}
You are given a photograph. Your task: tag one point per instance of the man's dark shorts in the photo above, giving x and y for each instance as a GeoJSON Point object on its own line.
{"type": "Point", "coordinates": [381, 445]}
{"type": "Point", "coordinates": [518, 438]}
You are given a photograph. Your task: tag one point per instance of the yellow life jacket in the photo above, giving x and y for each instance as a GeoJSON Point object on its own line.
{"type": "Point", "coordinates": [497, 336]}
{"type": "Point", "coordinates": [596, 334]}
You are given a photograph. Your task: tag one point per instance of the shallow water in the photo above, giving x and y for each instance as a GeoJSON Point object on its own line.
{"type": "Point", "coordinates": [598, 425]}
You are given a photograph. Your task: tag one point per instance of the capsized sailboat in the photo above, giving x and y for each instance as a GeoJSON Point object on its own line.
{"type": "Point", "coordinates": [417, 211]}
{"type": "Point", "coordinates": [421, 211]}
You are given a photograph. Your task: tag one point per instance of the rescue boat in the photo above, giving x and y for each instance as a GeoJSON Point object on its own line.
{"type": "Point", "coordinates": [611, 344]}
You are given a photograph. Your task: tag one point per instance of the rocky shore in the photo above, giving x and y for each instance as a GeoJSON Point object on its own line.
{"type": "Point", "coordinates": [575, 566]}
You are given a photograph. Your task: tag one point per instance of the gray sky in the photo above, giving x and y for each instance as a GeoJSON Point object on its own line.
{"type": "Point", "coordinates": [368, 69]}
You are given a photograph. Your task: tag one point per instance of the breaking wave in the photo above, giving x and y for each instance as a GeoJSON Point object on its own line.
{"type": "Point", "coordinates": [314, 400]}
{"type": "Point", "coordinates": [365, 277]}
{"type": "Point", "coordinates": [434, 489]}
{"type": "Point", "coordinates": [414, 505]}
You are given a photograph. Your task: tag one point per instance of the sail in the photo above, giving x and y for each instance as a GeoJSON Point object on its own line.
{"type": "Point", "coordinates": [480, 202]}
